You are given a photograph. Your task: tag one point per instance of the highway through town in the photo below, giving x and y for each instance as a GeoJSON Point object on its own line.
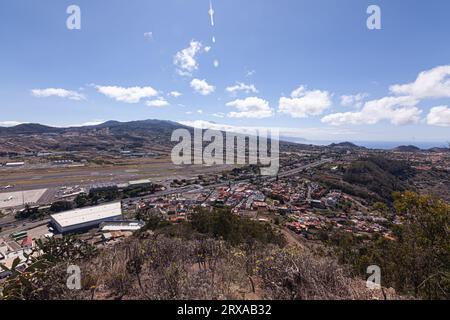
{"type": "Point", "coordinates": [305, 167]}
{"type": "Point", "coordinates": [194, 188]}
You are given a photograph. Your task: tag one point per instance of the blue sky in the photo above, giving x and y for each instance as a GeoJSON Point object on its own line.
{"type": "Point", "coordinates": [286, 64]}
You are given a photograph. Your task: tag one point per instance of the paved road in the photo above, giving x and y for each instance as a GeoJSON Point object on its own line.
{"type": "Point", "coordinates": [8, 220]}
{"type": "Point", "coordinates": [23, 226]}
{"type": "Point", "coordinates": [302, 168]}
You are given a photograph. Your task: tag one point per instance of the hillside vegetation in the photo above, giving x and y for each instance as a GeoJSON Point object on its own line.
{"type": "Point", "coordinates": [219, 256]}
{"type": "Point", "coordinates": [417, 262]}
{"type": "Point", "coordinates": [379, 175]}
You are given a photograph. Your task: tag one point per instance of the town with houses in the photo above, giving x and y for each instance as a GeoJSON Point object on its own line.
{"type": "Point", "coordinates": [295, 201]}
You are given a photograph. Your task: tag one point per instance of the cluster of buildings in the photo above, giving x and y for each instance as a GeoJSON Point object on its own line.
{"type": "Point", "coordinates": [10, 251]}
{"type": "Point", "coordinates": [19, 245]}
{"type": "Point", "coordinates": [307, 207]}
{"type": "Point", "coordinates": [174, 208]}
{"type": "Point", "coordinates": [313, 225]}
{"type": "Point", "coordinates": [98, 225]}
{"type": "Point", "coordinates": [240, 197]}
{"type": "Point", "coordinates": [112, 186]}
{"type": "Point", "coordinates": [129, 153]}
{"type": "Point", "coordinates": [277, 197]}
{"type": "Point", "coordinates": [69, 192]}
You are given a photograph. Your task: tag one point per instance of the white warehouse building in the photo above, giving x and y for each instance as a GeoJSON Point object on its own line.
{"type": "Point", "coordinates": [85, 218]}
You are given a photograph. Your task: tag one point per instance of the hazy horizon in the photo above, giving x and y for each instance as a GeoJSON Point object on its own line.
{"type": "Point", "coordinates": [373, 144]}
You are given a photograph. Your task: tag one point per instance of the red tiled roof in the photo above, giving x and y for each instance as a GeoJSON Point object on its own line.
{"type": "Point", "coordinates": [27, 242]}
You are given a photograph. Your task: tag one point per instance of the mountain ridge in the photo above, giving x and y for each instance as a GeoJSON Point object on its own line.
{"type": "Point", "coordinates": [37, 128]}
{"type": "Point", "coordinates": [155, 129]}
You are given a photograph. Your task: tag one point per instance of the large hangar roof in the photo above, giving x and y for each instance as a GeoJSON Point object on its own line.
{"type": "Point", "coordinates": [84, 215]}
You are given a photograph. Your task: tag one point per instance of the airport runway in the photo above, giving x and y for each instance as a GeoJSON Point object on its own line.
{"type": "Point", "coordinates": [32, 179]}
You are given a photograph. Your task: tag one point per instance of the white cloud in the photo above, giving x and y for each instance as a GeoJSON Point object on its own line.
{"type": "Point", "coordinates": [92, 123]}
{"type": "Point", "coordinates": [200, 111]}
{"type": "Point", "coordinates": [175, 94]}
{"type": "Point", "coordinates": [353, 100]}
{"type": "Point", "coordinates": [439, 116]}
{"type": "Point", "coordinates": [397, 110]}
{"type": "Point", "coordinates": [127, 95]}
{"type": "Point", "coordinates": [185, 59]}
{"type": "Point", "coordinates": [434, 83]}
{"type": "Point", "coordinates": [247, 88]}
{"type": "Point", "coordinates": [219, 115]}
{"type": "Point", "coordinates": [210, 125]}
{"type": "Point", "coordinates": [249, 73]}
{"type": "Point", "coordinates": [202, 87]}
{"type": "Point", "coordinates": [148, 35]}
{"type": "Point", "coordinates": [216, 63]}
{"type": "Point", "coordinates": [251, 107]}
{"type": "Point", "coordinates": [402, 108]}
{"type": "Point", "coordinates": [207, 49]}
{"type": "Point", "coordinates": [57, 92]}
{"type": "Point", "coordinates": [312, 133]}
{"type": "Point", "coordinates": [9, 123]}
{"type": "Point", "coordinates": [304, 103]}
{"type": "Point", "coordinates": [160, 102]}
{"type": "Point", "coordinates": [86, 124]}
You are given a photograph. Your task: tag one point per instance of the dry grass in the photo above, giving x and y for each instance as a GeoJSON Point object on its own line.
{"type": "Point", "coordinates": [167, 268]}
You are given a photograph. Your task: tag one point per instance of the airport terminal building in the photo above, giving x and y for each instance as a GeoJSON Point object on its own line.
{"type": "Point", "coordinates": [85, 218]}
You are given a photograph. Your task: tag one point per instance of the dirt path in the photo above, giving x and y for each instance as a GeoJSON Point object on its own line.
{"type": "Point", "coordinates": [292, 238]}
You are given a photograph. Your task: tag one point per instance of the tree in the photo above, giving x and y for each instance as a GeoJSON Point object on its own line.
{"type": "Point", "coordinates": [417, 262]}
{"type": "Point", "coordinates": [39, 281]}
{"type": "Point", "coordinates": [421, 255]}
{"type": "Point", "coordinates": [381, 207]}
{"type": "Point", "coordinates": [81, 200]}
{"type": "Point", "coordinates": [60, 206]}
{"type": "Point", "coordinates": [222, 224]}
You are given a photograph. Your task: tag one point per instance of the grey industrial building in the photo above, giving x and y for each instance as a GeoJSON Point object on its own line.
{"type": "Point", "coordinates": [85, 218]}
